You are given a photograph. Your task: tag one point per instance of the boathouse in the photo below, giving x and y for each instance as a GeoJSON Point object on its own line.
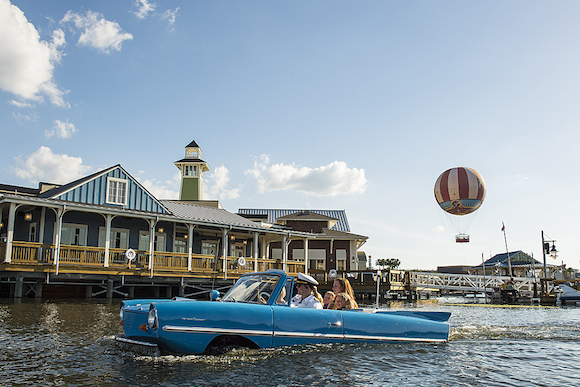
{"type": "Point", "coordinates": [105, 234]}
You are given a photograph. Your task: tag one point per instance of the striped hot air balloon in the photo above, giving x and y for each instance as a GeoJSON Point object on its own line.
{"type": "Point", "coordinates": [460, 191]}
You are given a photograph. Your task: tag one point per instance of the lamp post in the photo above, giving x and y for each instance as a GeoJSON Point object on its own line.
{"type": "Point", "coordinates": [546, 249]}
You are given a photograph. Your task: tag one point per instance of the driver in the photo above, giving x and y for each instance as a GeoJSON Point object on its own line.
{"type": "Point", "coordinates": [308, 296]}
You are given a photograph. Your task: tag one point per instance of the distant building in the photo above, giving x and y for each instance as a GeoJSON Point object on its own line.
{"type": "Point", "coordinates": [333, 247]}
{"type": "Point", "coordinates": [522, 264]}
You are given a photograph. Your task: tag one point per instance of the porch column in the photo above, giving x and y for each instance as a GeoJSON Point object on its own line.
{"type": "Point", "coordinates": [108, 220]}
{"type": "Point", "coordinates": [152, 224]}
{"type": "Point", "coordinates": [225, 251]}
{"type": "Point", "coordinates": [306, 256]}
{"type": "Point", "coordinates": [352, 253]}
{"type": "Point", "coordinates": [285, 253]}
{"type": "Point", "coordinates": [59, 216]}
{"type": "Point", "coordinates": [41, 226]}
{"type": "Point", "coordinates": [10, 233]}
{"type": "Point", "coordinates": [256, 251]}
{"type": "Point", "coordinates": [190, 228]}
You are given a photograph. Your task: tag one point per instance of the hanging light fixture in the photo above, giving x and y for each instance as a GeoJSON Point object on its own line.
{"type": "Point", "coordinates": [28, 217]}
{"type": "Point", "coordinates": [554, 252]}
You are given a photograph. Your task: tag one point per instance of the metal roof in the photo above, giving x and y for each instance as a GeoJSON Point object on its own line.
{"type": "Point", "coordinates": [501, 260]}
{"type": "Point", "coordinates": [208, 214]}
{"type": "Point", "coordinates": [183, 212]}
{"type": "Point", "coordinates": [273, 214]}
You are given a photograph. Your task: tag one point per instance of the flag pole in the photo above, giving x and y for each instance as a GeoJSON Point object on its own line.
{"type": "Point", "coordinates": [506, 249]}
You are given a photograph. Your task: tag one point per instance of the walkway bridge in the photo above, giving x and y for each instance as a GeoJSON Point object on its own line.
{"type": "Point", "coordinates": [464, 283]}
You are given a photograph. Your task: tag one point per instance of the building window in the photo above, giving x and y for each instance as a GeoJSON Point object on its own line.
{"type": "Point", "coordinates": [116, 191]}
{"type": "Point", "coordinates": [73, 234]}
{"type": "Point", "coordinates": [119, 238]}
{"type": "Point", "coordinates": [209, 248]}
{"type": "Point", "coordinates": [341, 259]}
{"type": "Point", "coordinates": [317, 259]}
{"type": "Point", "coordinates": [180, 245]}
{"type": "Point", "coordinates": [190, 170]}
{"type": "Point", "coordinates": [144, 241]}
{"type": "Point", "coordinates": [237, 250]}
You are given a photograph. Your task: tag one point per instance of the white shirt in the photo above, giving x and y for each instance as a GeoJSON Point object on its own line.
{"type": "Point", "coordinates": [308, 302]}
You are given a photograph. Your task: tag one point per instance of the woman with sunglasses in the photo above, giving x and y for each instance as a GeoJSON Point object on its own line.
{"type": "Point", "coordinates": [308, 296]}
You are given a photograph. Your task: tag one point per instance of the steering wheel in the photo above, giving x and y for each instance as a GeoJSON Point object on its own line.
{"type": "Point", "coordinates": [264, 297]}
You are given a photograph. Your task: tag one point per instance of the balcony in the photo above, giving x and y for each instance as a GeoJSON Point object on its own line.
{"type": "Point", "coordinates": [87, 259]}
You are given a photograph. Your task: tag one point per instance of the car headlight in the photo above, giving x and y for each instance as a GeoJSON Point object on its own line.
{"type": "Point", "coordinates": [152, 321]}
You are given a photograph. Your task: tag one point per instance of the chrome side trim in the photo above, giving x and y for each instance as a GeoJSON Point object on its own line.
{"type": "Point", "coordinates": [309, 335]}
{"type": "Point", "coordinates": [136, 342]}
{"type": "Point", "coordinates": [252, 332]}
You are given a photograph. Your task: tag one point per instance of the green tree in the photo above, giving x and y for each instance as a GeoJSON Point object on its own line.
{"type": "Point", "coordinates": [390, 263]}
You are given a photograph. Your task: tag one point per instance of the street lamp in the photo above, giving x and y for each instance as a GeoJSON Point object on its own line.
{"type": "Point", "coordinates": [546, 250]}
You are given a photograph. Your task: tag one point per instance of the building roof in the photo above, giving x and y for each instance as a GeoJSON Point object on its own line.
{"type": "Point", "coordinates": [518, 258]}
{"type": "Point", "coordinates": [335, 234]}
{"type": "Point", "coordinates": [192, 144]}
{"type": "Point", "coordinates": [7, 188]}
{"type": "Point", "coordinates": [180, 211]}
{"type": "Point", "coordinates": [209, 214]}
{"type": "Point", "coordinates": [190, 160]}
{"type": "Point", "coordinates": [306, 215]}
{"type": "Point", "coordinates": [273, 214]}
{"type": "Point", "coordinates": [52, 193]}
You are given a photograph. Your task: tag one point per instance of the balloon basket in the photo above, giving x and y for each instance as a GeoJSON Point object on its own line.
{"type": "Point", "coordinates": [462, 238]}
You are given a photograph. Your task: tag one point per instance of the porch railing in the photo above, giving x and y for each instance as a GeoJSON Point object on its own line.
{"type": "Point", "coordinates": [39, 253]}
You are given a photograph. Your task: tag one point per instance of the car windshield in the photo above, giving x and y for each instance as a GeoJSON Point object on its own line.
{"type": "Point", "coordinates": [255, 289]}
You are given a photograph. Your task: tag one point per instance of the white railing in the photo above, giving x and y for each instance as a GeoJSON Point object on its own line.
{"type": "Point", "coordinates": [470, 283]}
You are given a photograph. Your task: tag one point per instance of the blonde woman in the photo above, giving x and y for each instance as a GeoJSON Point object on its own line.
{"type": "Point", "coordinates": [343, 286]}
{"type": "Point", "coordinates": [343, 301]}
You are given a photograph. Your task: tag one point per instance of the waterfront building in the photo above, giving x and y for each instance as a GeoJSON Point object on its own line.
{"type": "Point", "coordinates": [334, 246]}
{"type": "Point", "coordinates": [522, 265]}
{"type": "Point", "coordinates": [106, 230]}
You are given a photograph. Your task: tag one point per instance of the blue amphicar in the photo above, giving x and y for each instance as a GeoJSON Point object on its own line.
{"type": "Point", "coordinates": [256, 313]}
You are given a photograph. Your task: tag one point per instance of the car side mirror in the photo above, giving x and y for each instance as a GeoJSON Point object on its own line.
{"type": "Point", "coordinates": [214, 295]}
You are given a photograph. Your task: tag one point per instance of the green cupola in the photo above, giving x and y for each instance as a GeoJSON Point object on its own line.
{"type": "Point", "coordinates": [192, 169]}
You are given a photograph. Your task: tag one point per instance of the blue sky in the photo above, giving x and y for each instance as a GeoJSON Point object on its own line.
{"type": "Point", "coordinates": [311, 104]}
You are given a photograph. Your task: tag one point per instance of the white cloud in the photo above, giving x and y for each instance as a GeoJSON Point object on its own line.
{"type": "Point", "coordinates": [20, 104]}
{"type": "Point", "coordinates": [61, 129]}
{"type": "Point", "coordinates": [439, 229]}
{"type": "Point", "coordinates": [333, 179]}
{"type": "Point", "coordinates": [26, 62]}
{"type": "Point", "coordinates": [167, 190]}
{"type": "Point", "coordinates": [97, 32]}
{"type": "Point", "coordinates": [20, 118]}
{"type": "Point", "coordinates": [44, 165]}
{"type": "Point", "coordinates": [216, 185]}
{"type": "Point", "coordinates": [170, 16]}
{"type": "Point", "coordinates": [143, 8]}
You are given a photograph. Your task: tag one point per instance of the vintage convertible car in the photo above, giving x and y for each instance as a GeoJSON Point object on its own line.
{"type": "Point", "coordinates": [255, 313]}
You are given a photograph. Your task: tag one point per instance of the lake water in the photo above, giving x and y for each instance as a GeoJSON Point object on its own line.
{"type": "Point", "coordinates": [68, 343]}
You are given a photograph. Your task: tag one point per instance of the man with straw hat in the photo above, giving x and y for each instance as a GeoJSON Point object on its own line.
{"type": "Point", "coordinates": [308, 296]}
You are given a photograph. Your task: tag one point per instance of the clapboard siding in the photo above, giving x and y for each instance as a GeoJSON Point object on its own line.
{"type": "Point", "coordinates": [94, 191]}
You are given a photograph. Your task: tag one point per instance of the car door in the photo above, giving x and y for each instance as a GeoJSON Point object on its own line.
{"type": "Point", "coordinates": [294, 326]}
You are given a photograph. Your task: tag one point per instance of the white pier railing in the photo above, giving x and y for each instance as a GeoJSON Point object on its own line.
{"type": "Point", "coordinates": [470, 283]}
